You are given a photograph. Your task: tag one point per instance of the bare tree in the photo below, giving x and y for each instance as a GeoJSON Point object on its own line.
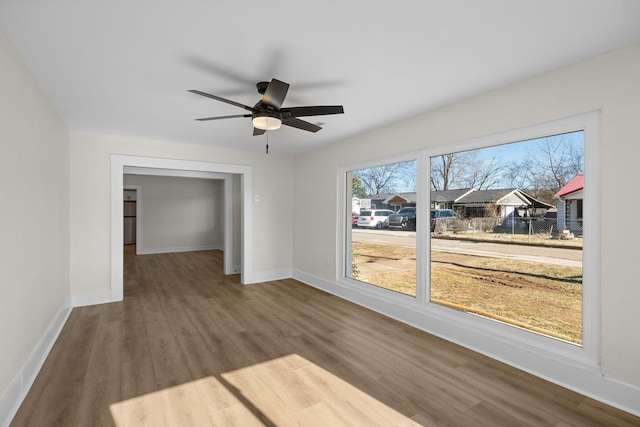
{"type": "Point", "coordinates": [387, 178]}
{"type": "Point", "coordinates": [548, 165]}
{"type": "Point", "coordinates": [515, 175]}
{"type": "Point", "coordinates": [465, 170]}
{"type": "Point", "coordinates": [483, 174]}
{"type": "Point", "coordinates": [446, 170]}
{"type": "Point", "coordinates": [554, 161]}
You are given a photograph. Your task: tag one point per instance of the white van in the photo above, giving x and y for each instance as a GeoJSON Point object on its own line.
{"type": "Point", "coordinates": [374, 218]}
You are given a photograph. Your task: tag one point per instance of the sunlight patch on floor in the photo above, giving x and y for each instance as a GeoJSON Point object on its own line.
{"type": "Point", "coordinates": [285, 391]}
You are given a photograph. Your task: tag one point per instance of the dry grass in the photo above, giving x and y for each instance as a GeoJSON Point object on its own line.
{"type": "Point", "coordinates": [541, 296]}
{"type": "Point", "coordinates": [537, 239]}
{"type": "Point", "coordinates": [387, 266]}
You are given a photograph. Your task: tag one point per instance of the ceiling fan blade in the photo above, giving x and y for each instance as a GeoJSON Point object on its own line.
{"type": "Point", "coordinates": [300, 124]}
{"type": "Point", "coordinates": [257, 132]}
{"type": "Point", "coordinates": [223, 117]}
{"type": "Point", "coordinates": [275, 93]}
{"type": "Point", "coordinates": [320, 110]}
{"type": "Point", "coordinates": [217, 98]}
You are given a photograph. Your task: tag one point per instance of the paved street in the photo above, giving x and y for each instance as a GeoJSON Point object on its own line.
{"type": "Point", "coordinates": [546, 255]}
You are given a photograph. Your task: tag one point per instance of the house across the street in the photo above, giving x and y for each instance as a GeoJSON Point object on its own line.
{"type": "Point", "coordinates": [570, 198]}
{"type": "Point", "coordinates": [471, 203]}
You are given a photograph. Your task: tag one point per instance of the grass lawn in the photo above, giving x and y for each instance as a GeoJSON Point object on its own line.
{"type": "Point", "coordinates": [542, 297]}
{"type": "Point", "coordinates": [542, 240]}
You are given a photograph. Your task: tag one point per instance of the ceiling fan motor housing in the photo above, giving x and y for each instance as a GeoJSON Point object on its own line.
{"type": "Point", "coordinates": [262, 87]}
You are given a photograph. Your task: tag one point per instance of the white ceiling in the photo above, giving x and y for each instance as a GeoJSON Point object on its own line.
{"type": "Point", "coordinates": [123, 67]}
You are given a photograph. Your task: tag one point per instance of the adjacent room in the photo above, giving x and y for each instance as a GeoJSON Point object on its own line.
{"type": "Point", "coordinates": [215, 214]}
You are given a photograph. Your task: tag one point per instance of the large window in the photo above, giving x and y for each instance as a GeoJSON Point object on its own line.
{"type": "Point", "coordinates": [381, 224]}
{"type": "Point", "coordinates": [510, 248]}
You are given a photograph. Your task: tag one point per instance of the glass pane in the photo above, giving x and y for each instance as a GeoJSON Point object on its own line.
{"type": "Point", "coordinates": [381, 243]}
{"type": "Point", "coordinates": [506, 233]}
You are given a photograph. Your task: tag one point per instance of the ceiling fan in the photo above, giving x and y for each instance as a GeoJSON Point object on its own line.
{"type": "Point", "coordinates": [267, 114]}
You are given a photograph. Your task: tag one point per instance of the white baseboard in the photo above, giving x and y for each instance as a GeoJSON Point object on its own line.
{"type": "Point", "coordinates": [583, 379]}
{"type": "Point", "coordinates": [10, 402]}
{"type": "Point", "coordinates": [150, 251]}
{"type": "Point", "coordinates": [91, 298]}
{"type": "Point", "coordinates": [267, 276]}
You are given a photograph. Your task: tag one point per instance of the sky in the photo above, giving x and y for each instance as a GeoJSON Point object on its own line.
{"type": "Point", "coordinates": [517, 151]}
{"type": "Point", "coordinates": [510, 153]}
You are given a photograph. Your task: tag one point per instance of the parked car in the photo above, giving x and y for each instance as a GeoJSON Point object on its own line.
{"type": "Point", "coordinates": [439, 214]}
{"type": "Point", "coordinates": [354, 219]}
{"type": "Point", "coordinates": [374, 218]}
{"type": "Point", "coordinates": [404, 219]}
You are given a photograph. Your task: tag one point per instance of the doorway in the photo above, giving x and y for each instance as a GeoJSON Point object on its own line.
{"type": "Point", "coordinates": [171, 167]}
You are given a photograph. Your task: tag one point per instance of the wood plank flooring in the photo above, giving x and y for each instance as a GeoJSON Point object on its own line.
{"type": "Point", "coordinates": [192, 347]}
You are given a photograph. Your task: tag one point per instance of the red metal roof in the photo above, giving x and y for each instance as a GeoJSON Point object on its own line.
{"type": "Point", "coordinates": [576, 184]}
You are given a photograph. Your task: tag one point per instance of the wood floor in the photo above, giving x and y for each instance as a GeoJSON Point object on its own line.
{"type": "Point", "coordinates": [191, 347]}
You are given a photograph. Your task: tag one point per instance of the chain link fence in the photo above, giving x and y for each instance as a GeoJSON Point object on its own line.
{"type": "Point", "coordinates": [541, 227]}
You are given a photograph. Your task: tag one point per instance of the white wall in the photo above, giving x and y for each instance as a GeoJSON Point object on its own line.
{"type": "Point", "coordinates": [179, 214]}
{"type": "Point", "coordinates": [608, 83]}
{"type": "Point", "coordinates": [90, 204]}
{"type": "Point", "coordinates": [34, 227]}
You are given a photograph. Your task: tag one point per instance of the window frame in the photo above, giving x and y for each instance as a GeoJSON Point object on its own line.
{"type": "Point", "coordinates": [588, 351]}
{"type": "Point", "coordinates": [344, 258]}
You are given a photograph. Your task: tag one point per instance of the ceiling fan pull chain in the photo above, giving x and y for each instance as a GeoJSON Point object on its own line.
{"type": "Point", "coordinates": [267, 132]}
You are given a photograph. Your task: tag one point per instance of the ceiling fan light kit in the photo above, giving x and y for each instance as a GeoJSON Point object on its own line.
{"type": "Point", "coordinates": [268, 115]}
{"type": "Point", "coordinates": [265, 122]}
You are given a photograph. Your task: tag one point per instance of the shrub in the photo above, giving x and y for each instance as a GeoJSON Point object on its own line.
{"type": "Point", "coordinates": [459, 226]}
{"type": "Point", "coordinates": [354, 267]}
